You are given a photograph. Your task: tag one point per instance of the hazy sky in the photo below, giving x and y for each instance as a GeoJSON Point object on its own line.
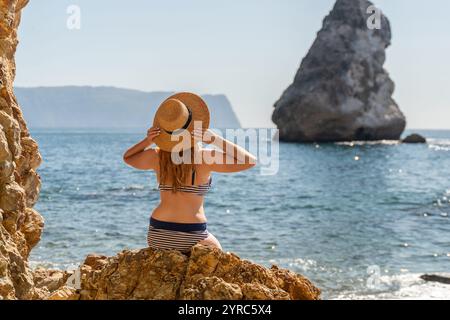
{"type": "Point", "coordinates": [248, 50]}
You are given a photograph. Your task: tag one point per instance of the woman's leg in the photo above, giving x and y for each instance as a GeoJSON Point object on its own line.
{"type": "Point", "coordinates": [211, 241]}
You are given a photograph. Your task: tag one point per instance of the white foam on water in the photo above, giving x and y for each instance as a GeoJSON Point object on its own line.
{"type": "Point", "coordinates": [403, 286]}
{"type": "Point", "coordinates": [400, 287]}
{"type": "Point", "coordinates": [297, 263]}
{"type": "Point", "coordinates": [434, 144]}
{"type": "Point", "coordinates": [360, 143]}
{"type": "Point", "coordinates": [442, 142]}
{"type": "Point", "coordinates": [439, 144]}
{"type": "Point", "coordinates": [439, 148]}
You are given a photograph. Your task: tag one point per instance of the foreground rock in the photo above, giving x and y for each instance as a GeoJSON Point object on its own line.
{"type": "Point", "coordinates": [414, 138]}
{"type": "Point", "coordinates": [20, 225]}
{"type": "Point", "coordinates": [206, 274]}
{"type": "Point", "coordinates": [341, 91]}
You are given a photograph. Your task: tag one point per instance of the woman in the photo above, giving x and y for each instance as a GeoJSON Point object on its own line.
{"type": "Point", "coordinates": [183, 170]}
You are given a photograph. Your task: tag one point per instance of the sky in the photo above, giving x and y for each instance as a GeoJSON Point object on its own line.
{"type": "Point", "coordinates": [248, 50]}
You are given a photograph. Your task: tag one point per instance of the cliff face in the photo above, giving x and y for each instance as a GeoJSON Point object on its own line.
{"type": "Point", "coordinates": [341, 91]}
{"type": "Point", "coordinates": [205, 274]}
{"type": "Point", "coordinates": [20, 225]}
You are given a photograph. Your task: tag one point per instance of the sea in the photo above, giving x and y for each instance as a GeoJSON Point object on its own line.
{"type": "Point", "coordinates": [361, 220]}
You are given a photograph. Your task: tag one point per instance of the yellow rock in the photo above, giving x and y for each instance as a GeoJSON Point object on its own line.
{"type": "Point", "coordinates": [20, 226]}
{"type": "Point", "coordinates": [206, 273]}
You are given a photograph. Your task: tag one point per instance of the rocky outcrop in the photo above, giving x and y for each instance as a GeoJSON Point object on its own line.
{"type": "Point", "coordinates": [20, 225]}
{"type": "Point", "coordinates": [414, 138]}
{"type": "Point", "coordinates": [341, 91]}
{"type": "Point", "coordinates": [206, 274]}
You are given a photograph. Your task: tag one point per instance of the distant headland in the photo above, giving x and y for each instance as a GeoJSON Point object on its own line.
{"type": "Point", "coordinates": [106, 107]}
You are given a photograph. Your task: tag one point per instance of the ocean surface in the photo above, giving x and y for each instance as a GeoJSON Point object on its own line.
{"type": "Point", "coordinates": [361, 220]}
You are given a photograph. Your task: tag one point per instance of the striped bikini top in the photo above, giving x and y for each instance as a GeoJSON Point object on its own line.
{"type": "Point", "coordinates": [199, 190]}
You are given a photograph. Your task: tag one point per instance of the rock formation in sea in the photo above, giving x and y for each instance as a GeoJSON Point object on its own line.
{"type": "Point", "coordinates": [415, 138]}
{"type": "Point", "coordinates": [205, 274]}
{"type": "Point", "coordinates": [20, 225]}
{"type": "Point", "coordinates": [341, 91]}
{"type": "Point", "coordinates": [142, 274]}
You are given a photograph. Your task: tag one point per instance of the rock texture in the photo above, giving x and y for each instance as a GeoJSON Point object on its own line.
{"type": "Point", "coordinates": [414, 138]}
{"type": "Point", "coordinates": [206, 274]}
{"type": "Point", "coordinates": [20, 225]}
{"type": "Point", "coordinates": [341, 91]}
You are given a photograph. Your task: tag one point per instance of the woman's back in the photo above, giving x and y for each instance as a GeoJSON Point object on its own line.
{"type": "Point", "coordinates": [185, 204]}
{"type": "Point", "coordinates": [179, 222]}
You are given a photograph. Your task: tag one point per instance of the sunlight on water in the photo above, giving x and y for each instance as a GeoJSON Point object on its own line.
{"type": "Point", "coordinates": [332, 212]}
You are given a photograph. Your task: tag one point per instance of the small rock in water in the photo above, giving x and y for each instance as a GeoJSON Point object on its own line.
{"type": "Point", "coordinates": [435, 278]}
{"type": "Point", "coordinates": [414, 138]}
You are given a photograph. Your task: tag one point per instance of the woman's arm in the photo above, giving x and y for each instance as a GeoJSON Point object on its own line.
{"type": "Point", "coordinates": [141, 158]}
{"type": "Point", "coordinates": [230, 157]}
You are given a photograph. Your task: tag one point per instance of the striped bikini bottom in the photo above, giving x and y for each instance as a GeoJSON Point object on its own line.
{"type": "Point", "coordinates": [175, 236]}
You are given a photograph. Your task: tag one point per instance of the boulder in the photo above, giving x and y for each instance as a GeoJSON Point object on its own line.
{"type": "Point", "coordinates": [414, 138]}
{"type": "Point", "coordinates": [205, 274]}
{"type": "Point", "coordinates": [341, 91]}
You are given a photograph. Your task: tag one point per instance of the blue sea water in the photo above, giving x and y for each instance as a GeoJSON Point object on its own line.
{"type": "Point", "coordinates": [361, 220]}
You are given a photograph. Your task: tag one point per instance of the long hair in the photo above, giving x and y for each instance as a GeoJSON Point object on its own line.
{"type": "Point", "coordinates": [172, 173]}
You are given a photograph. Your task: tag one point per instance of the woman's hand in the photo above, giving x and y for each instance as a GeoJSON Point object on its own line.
{"type": "Point", "coordinates": [206, 136]}
{"type": "Point", "coordinates": [140, 156]}
{"type": "Point", "coordinates": [152, 133]}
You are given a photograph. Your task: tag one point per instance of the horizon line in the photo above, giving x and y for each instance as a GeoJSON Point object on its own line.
{"type": "Point", "coordinates": [111, 87]}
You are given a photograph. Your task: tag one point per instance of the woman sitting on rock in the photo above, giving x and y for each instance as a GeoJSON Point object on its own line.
{"type": "Point", "coordinates": [183, 170]}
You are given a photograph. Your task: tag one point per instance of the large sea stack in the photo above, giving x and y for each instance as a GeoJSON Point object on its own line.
{"type": "Point", "coordinates": [341, 91]}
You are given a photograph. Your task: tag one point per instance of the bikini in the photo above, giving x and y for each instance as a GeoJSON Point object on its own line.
{"type": "Point", "coordinates": [200, 190]}
{"type": "Point", "coordinates": [174, 235]}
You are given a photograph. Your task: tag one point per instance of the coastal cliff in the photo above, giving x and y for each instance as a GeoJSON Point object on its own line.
{"type": "Point", "coordinates": [205, 274]}
{"type": "Point", "coordinates": [20, 225]}
{"type": "Point", "coordinates": [341, 91]}
{"type": "Point", "coordinates": [142, 274]}
{"type": "Point", "coordinates": [106, 107]}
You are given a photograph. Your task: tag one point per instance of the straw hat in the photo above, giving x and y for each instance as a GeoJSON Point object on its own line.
{"type": "Point", "coordinates": [176, 113]}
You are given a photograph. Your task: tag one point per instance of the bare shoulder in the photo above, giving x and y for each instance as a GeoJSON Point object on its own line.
{"type": "Point", "coordinates": [146, 160]}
